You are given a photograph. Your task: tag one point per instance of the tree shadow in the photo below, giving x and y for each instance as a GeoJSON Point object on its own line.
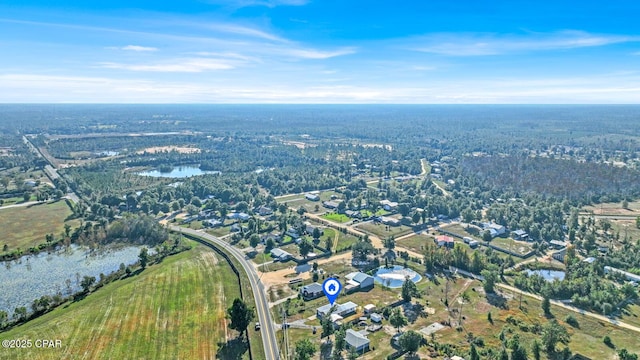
{"type": "Point", "coordinates": [498, 301]}
{"type": "Point", "coordinates": [325, 350]}
{"type": "Point", "coordinates": [232, 349]}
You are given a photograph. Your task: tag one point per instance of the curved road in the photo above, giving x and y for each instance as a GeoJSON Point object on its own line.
{"type": "Point", "coordinates": [269, 340]}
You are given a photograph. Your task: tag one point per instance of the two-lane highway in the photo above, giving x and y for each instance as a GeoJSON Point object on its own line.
{"type": "Point", "coordinates": [269, 340]}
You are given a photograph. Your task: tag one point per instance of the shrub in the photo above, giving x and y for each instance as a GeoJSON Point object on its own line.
{"type": "Point", "coordinates": [571, 320]}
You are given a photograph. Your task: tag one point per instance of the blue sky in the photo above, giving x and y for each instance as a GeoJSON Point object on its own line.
{"type": "Point", "coordinates": [322, 51]}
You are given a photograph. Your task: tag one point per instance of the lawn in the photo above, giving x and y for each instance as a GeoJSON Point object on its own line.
{"type": "Point", "coordinates": [309, 206]}
{"type": "Point", "coordinates": [384, 231]}
{"type": "Point", "coordinates": [219, 231]}
{"type": "Point", "coordinates": [24, 227]}
{"type": "Point", "coordinates": [335, 217]}
{"type": "Point", "coordinates": [518, 247]}
{"type": "Point", "coordinates": [415, 242]}
{"type": "Point", "coordinates": [172, 310]}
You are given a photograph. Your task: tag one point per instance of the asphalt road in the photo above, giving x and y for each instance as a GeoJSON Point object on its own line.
{"type": "Point", "coordinates": [269, 340]}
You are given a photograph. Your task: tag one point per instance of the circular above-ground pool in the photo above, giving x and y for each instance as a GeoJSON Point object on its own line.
{"type": "Point", "coordinates": [393, 277]}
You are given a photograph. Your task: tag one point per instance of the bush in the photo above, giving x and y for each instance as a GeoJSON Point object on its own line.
{"type": "Point", "coordinates": [571, 320]}
{"type": "Point", "coordinates": [607, 341]}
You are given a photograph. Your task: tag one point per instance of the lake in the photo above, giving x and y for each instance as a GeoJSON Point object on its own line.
{"type": "Point", "coordinates": [549, 275]}
{"type": "Point", "coordinates": [177, 172]}
{"type": "Point", "coordinates": [30, 277]}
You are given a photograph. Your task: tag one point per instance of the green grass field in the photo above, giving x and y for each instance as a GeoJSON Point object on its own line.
{"type": "Point", "coordinates": [173, 310]}
{"type": "Point", "coordinates": [415, 242]}
{"type": "Point", "coordinates": [384, 231]}
{"type": "Point", "coordinates": [23, 227]}
{"type": "Point", "coordinates": [335, 217]}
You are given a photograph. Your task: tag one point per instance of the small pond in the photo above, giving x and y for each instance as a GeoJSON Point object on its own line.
{"type": "Point", "coordinates": [177, 172]}
{"type": "Point", "coordinates": [549, 275]}
{"type": "Point", "coordinates": [30, 277]}
{"type": "Point", "coordinates": [394, 277]}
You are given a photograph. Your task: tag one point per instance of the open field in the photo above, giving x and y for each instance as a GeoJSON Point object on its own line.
{"type": "Point", "coordinates": [519, 247]}
{"type": "Point", "coordinates": [384, 231]}
{"type": "Point", "coordinates": [309, 206]}
{"type": "Point", "coordinates": [415, 242]}
{"type": "Point", "coordinates": [344, 240]}
{"type": "Point", "coordinates": [172, 310]}
{"type": "Point", "coordinates": [633, 209]}
{"type": "Point", "coordinates": [24, 227]}
{"type": "Point", "coordinates": [626, 228]}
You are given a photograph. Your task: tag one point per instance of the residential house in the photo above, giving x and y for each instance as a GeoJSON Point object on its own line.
{"type": "Point", "coordinates": [375, 317]}
{"type": "Point", "coordinates": [520, 235]}
{"type": "Point", "coordinates": [446, 241]}
{"type": "Point", "coordinates": [357, 341]}
{"type": "Point", "coordinates": [494, 229]}
{"type": "Point", "coordinates": [560, 254]}
{"type": "Point", "coordinates": [238, 216]}
{"type": "Point", "coordinates": [358, 281]}
{"type": "Point", "coordinates": [264, 211]}
{"type": "Point", "coordinates": [212, 223]}
{"type": "Point", "coordinates": [280, 255]}
{"type": "Point", "coordinates": [389, 205]}
{"type": "Point", "coordinates": [275, 237]}
{"type": "Point", "coordinates": [369, 308]}
{"type": "Point", "coordinates": [311, 291]}
{"type": "Point", "coordinates": [312, 197]}
{"type": "Point", "coordinates": [389, 221]}
{"type": "Point", "coordinates": [331, 204]}
{"type": "Point", "coordinates": [345, 309]}
{"type": "Point", "coordinates": [293, 233]}
{"type": "Point", "coordinates": [353, 214]}
{"type": "Point", "coordinates": [631, 277]}
{"type": "Point", "coordinates": [557, 244]}
{"type": "Point", "coordinates": [310, 228]}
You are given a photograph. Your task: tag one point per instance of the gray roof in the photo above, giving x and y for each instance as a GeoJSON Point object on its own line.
{"type": "Point", "coordinates": [355, 339]}
{"type": "Point", "coordinates": [312, 288]}
{"type": "Point", "coordinates": [360, 277]}
{"type": "Point", "coordinates": [279, 253]}
{"type": "Point", "coordinates": [340, 308]}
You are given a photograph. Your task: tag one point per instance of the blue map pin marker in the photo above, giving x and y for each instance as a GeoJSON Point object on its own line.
{"type": "Point", "coordinates": [331, 288]}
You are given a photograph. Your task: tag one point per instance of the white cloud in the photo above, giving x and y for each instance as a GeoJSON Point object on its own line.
{"type": "Point", "coordinates": [193, 65]}
{"type": "Point", "coordinates": [138, 48]}
{"type": "Point", "coordinates": [316, 54]}
{"type": "Point", "coordinates": [37, 88]}
{"type": "Point", "coordinates": [482, 44]}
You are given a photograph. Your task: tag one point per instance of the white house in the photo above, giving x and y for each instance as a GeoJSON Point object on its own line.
{"type": "Point", "coordinates": [375, 317]}
{"type": "Point", "coordinates": [312, 197]}
{"type": "Point", "coordinates": [357, 341]}
{"type": "Point", "coordinates": [494, 229]}
{"type": "Point", "coordinates": [389, 221]}
{"type": "Point", "coordinates": [280, 255]}
{"type": "Point", "coordinates": [238, 216]}
{"type": "Point", "coordinates": [345, 309]}
{"type": "Point", "coordinates": [369, 308]}
{"type": "Point", "coordinates": [388, 205]}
